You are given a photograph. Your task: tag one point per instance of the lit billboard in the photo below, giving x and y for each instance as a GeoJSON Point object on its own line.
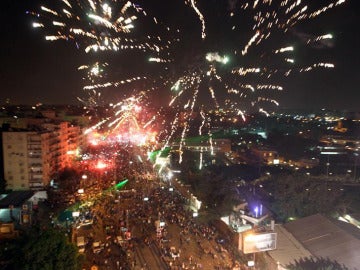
{"type": "Point", "coordinates": [257, 242]}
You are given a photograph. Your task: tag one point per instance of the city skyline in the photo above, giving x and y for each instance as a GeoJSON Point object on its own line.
{"type": "Point", "coordinates": [37, 71]}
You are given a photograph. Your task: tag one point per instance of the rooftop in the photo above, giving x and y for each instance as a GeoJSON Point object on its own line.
{"type": "Point", "coordinates": [288, 248]}
{"type": "Point", "coordinates": [15, 198]}
{"type": "Point", "coordinates": [324, 238]}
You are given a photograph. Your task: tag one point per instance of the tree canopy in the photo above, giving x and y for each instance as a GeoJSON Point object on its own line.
{"type": "Point", "coordinates": [316, 263]}
{"type": "Point", "coordinates": [300, 196]}
{"type": "Point", "coordinates": [42, 250]}
{"type": "Point", "coordinates": [69, 179]}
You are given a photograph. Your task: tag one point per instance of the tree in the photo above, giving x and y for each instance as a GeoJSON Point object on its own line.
{"type": "Point", "coordinates": [69, 179]}
{"type": "Point", "coordinates": [300, 196]}
{"type": "Point", "coordinates": [316, 263]}
{"type": "Point", "coordinates": [47, 249]}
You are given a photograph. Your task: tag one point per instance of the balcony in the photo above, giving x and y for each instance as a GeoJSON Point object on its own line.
{"type": "Point", "coordinates": [35, 172]}
{"type": "Point", "coordinates": [34, 148]}
{"type": "Point", "coordinates": [34, 156]}
{"type": "Point", "coordinates": [36, 165]}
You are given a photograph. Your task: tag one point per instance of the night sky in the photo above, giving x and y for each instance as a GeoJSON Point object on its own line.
{"type": "Point", "coordinates": [34, 70]}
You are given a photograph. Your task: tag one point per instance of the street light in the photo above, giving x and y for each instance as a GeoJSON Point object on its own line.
{"type": "Point", "coordinates": [83, 178]}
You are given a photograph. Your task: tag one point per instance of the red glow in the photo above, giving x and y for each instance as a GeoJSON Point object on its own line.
{"type": "Point", "coordinates": [101, 165]}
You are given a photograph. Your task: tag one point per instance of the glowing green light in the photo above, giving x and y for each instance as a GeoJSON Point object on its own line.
{"type": "Point", "coordinates": [121, 184]}
{"type": "Point", "coordinates": [225, 60]}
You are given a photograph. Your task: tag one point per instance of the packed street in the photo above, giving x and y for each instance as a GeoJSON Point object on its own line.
{"type": "Point", "coordinates": [148, 226]}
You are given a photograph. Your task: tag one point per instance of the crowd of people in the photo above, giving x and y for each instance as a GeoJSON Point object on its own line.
{"type": "Point", "coordinates": [147, 213]}
{"type": "Point", "coordinates": [155, 216]}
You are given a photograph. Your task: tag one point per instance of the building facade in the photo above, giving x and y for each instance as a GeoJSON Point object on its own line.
{"type": "Point", "coordinates": [31, 158]}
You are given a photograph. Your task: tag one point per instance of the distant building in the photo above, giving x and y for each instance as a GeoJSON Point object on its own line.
{"type": "Point", "coordinates": [222, 145]}
{"type": "Point", "coordinates": [27, 117]}
{"type": "Point", "coordinates": [31, 158]}
{"type": "Point", "coordinates": [341, 140]}
{"type": "Point", "coordinates": [266, 155]}
{"type": "Point", "coordinates": [306, 163]}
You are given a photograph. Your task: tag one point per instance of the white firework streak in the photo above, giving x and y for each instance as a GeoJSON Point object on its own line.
{"type": "Point", "coordinates": [72, 23]}
{"type": "Point", "coordinates": [269, 17]}
{"type": "Point", "coordinates": [201, 17]}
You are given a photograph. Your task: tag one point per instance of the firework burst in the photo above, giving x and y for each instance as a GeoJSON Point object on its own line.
{"type": "Point", "coordinates": [130, 121]}
{"type": "Point", "coordinates": [240, 63]}
{"type": "Point", "coordinates": [105, 30]}
{"type": "Point", "coordinates": [95, 25]}
{"type": "Point", "coordinates": [243, 56]}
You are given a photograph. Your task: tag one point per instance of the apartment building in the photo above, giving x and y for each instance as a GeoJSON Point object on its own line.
{"type": "Point", "coordinates": [31, 158]}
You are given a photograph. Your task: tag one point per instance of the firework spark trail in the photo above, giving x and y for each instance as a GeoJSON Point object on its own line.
{"type": "Point", "coordinates": [99, 25]}
{"type": "Point", "coordinates": [173, 126]}
{"type": "Point", "coordinates": [251, 41]}
{"type": "Point", "coordinates": [96, 25]}
{"type": "Point", "coordinates": [129, 123]}
{"type": "Point", "coordinates": [93, 74]}
{"type": "Point", "coordinates": [324, 65]}
{"type": "Point", "coordinates": [211, 144]}
{"type": "Point", "coordinates": [319, 38]}
{"type": "Point", "coordinates": [111, 30]}
{"type": "Point", "coordinates": [200, 15]}
{"type": "Point", "coordinates": [115, 84]}
{"type": "Point", "coordinates": [92, 99]}
{"type": "Point", "coordinates": [208, 122]}
{"type": "Point", "coordinates": [282, 17]}
{"type": "Point", "coordinates": [264, 112]}
{"type": "Point", "coordinates": [94, 127]}
{"type": "Point", "coordinates": [126, 110]}
{"type": "Point", "coordinates": [159, 60]}
{"type": "Point", "coordinates": [325, 8]}
{"type": "Point", "coordinates": [150, 122]}
{"type": "Point", "coordinates": [203, 122]}
{"type": "Point", "coordinates": [250, 85]}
